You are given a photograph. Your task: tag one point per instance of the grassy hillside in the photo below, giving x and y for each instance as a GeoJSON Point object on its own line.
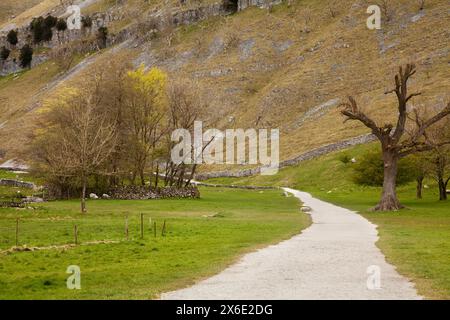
{"type": "Point", "coordinates": [267, 69]}
{"type": "Point", "coordinates": [203, 237]}
{"type": "Point", "coordinates": [10, 8]}
{"type": "Point", "coordinates": [416, 240]}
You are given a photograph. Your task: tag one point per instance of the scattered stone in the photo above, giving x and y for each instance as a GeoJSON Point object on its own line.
{"type": "Point", "coordinates": [317, 111]}
{"type": "Point", "coordinates": [306, 209]}
{"type": "Point", "coordinates": [14, 165]}
{"type": "Point", "coordinates": [353, 160]}
{"type": "Point", "coordinates": [93, 196]}
{"type": "Point", "coordinates": [283, 46]}
{"type": "Point", "coordinates": [106, 196]}
{"type": "Point", "coordinates": [216, 47]}
{"type": "Point", "coordinates": [417, 17]}
{"type": "Point", "coordinates": [32, 199]}
{"type": "Point", "coordinates": [246, 48]}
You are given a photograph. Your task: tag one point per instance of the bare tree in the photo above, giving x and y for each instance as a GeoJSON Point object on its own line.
{"type": "Point", "coordinates": [421, 167]}
{"type": "Point", "coordinates": [185, 107]}
{"type": "Point", "coordinates": [384, 4]}
{"type": "Point", "coordinates": [64, 57]}
{"type": "Point", "coordinates": [439, 158]}
{"type": "Point", "coordinates": [395, 143]}
{"type": "Point", "coordinates": [332, 8]}
{"type": "Point", "coordinates": [421, 5]}
{"type": "Point", "coordinates": [77, 137]}
{"type": "Point", "coordinates": [441, 168]}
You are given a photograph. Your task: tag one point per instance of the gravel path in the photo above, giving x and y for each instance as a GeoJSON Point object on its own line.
{"type": "Point", "coordinates": [329, 260]}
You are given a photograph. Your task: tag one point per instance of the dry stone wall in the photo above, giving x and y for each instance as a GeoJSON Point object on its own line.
{"type": "Point", "coordinates": [146, 193]}
{"type": "Point", "coordinates": [291, 162]}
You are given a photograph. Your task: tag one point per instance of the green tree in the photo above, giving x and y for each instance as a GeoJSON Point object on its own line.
{"type": "Point", "coordinates": [26, 56]}
{"type": "Point", "coordinates": [37, 27]}
{"type": "Point", "coordinates": [146, 107]}
{"type": "Point", "coordinates": [4, 53]}
{"type": "Point", "coordinates": [102, 37]}
{"type": "Point", "coordinates": [86, 22]}
{"type": "Point", "coordinates": [12, 37]}
{"type": "Point", "coordinates": [61, 25]}
{"type": "Point", "coordinates": [369, 170]}
{"type": "Point", "coordinates": [50, 21]}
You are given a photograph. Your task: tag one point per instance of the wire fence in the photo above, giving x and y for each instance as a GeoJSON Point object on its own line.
{"type": "Point", "coordinates": [59, 231]}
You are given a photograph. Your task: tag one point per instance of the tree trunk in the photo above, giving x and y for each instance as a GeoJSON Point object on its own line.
{"type": "Point", "coordinates": [83, 196]}
{"type": "Point", "coordinates": [157, 175]}
{"type": "Point", "coordinates": [142, 176]}
{"type": "Point", "coordinates": [442, 189]}
{"type": "Point", "coordinates": [389, 200]}
{"type": "Point", "coordinates": [419, 187]}
{"type": "Point", "coordinates": [188, 182]}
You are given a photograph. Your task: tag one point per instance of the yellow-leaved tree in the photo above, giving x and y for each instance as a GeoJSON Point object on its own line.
{"type": "Point", "coordinates": [146, 106]}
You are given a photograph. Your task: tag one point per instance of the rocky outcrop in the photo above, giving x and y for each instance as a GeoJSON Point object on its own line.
{"type": "Point", "coordinates": [146, 193]}
{"type": "Point", "coordinates": [291, 162]}
{"type": "Point", "coordinates": [243, 4]}
{"type": "Point", "coordinates": [14, 165]}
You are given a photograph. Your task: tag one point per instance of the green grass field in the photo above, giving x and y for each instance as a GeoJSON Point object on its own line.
{"type": "Point", "coordinates": [416, 240]}
{"type": "Point", "coordinates": [203, 237]}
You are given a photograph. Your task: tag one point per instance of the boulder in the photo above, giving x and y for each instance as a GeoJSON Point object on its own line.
{"type": "Point", "coordinates": [106, 196]}
{"type": "Point", "coordinates": [32, 199]}
{"type": "Point", "coordinates": [93, 196]}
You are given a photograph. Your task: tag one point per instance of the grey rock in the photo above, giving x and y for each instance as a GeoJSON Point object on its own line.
{"type": "Point", "coordinates": [33, 200]}
{"type": "Point", "coordinates": [246, 48]}
{"type": "Point", "coordinates": [283, 46]}
{"type": "Point", "coordinates": [418, 16]}
{"type": "Point", "coordinates": [17, 184]}
{"type": "Point", "coordinates": [306, 209]}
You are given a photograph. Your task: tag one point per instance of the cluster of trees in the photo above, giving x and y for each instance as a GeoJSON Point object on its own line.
{"type": "Point", "coordinates": [435, 164]}
{"type": "Point", "coordinates": [115, 128]}
{"type": "Point", "coordinates": [416, 130]}
{"type": "Point", "coordinates": [41, 28]}
{"type": "Point", "coordinates": [26, 52]}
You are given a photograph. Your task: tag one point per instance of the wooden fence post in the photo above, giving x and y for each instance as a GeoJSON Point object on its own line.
{"type": "Point", "coordinates": [126, 227]}
{"type": "Point", "coordinates": [163, 231]}
{"type": "Point", "coordinates": [17, 232]}
{"type": "Point", "coordinates": [75, 231]}
{"type": "Point", "coordinates": [142, 226]}
{"type": "Point", "coordinates": [154, 228]}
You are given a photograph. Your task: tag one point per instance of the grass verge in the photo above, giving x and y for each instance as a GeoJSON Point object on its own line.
{"type": "Point", "coordinates": [203, 237]}
{"type": "Point", "coordinates": [416, 240]}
